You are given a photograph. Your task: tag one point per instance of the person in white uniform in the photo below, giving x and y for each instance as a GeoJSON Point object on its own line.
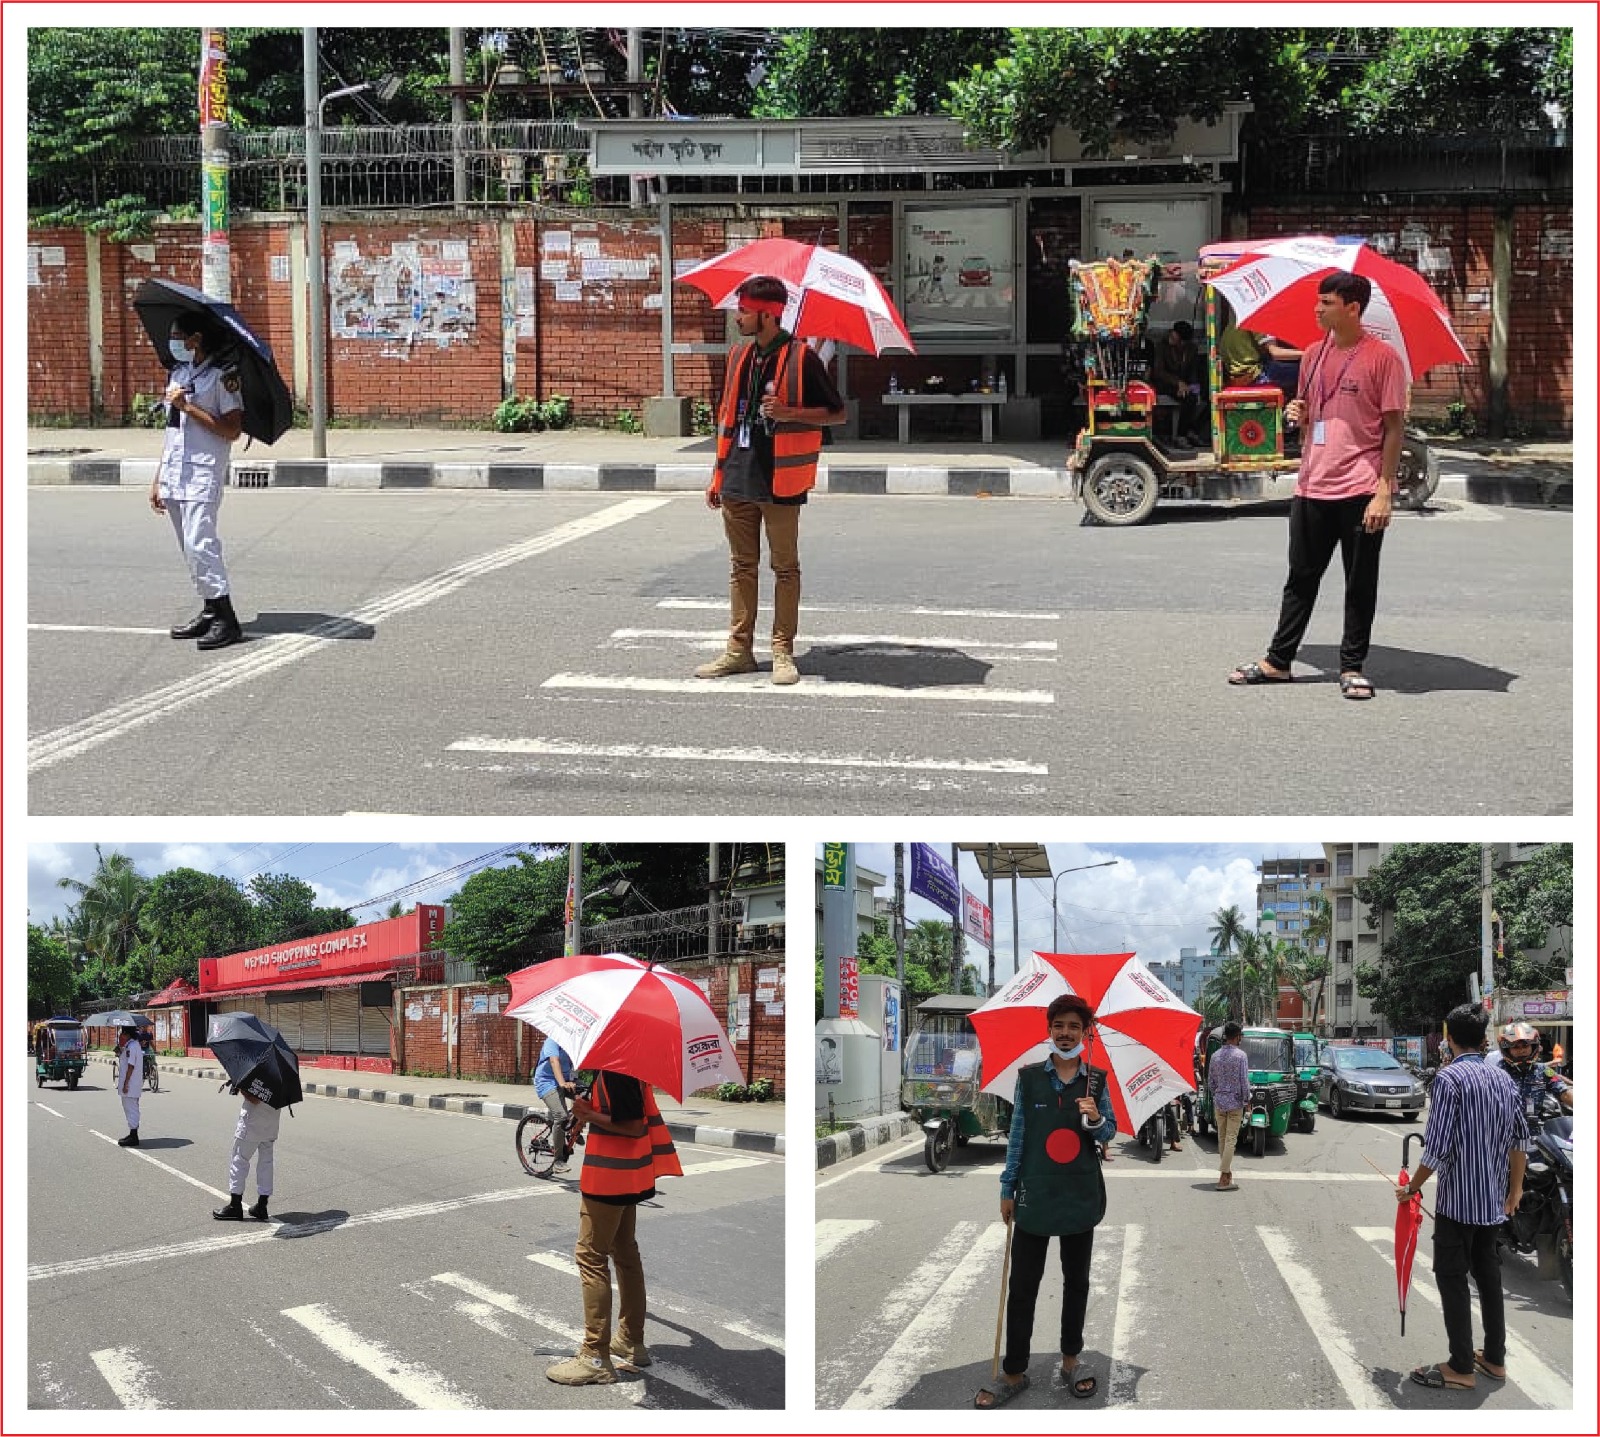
{"type": "Point", "coordinates": [130, 1082]}
{"type": "Point", "coordinates": [204, 416]}
{"type": "Point", "coordinates": [253, 1137]}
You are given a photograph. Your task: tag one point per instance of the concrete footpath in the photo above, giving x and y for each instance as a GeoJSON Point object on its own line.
{"type": "Point", "coordinates": [753, 1127]}
{"type": "Point", "coordinates": [1537, 474]}
{"type": "Point", "coordinates": [861, 1135]}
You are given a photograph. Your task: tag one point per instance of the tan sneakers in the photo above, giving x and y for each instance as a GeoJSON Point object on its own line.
{"type": "Point", "coordinates": [783, 669]}
{"type": "Point", "coordinates": [734, 661]}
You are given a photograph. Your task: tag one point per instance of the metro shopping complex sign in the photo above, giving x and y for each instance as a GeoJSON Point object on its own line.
{"type": "Point", "coordinates": [370, 948]}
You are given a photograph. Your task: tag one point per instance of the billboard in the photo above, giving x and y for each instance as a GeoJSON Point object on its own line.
{"type": "Point", "coordinates": [371, 948]}
{"type": "Point", "coordinates": [934, 879]}
{"type": "Point", "coordinates": [976, 919]}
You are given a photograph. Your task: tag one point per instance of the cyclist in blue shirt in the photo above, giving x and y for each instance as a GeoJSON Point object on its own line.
{"type": "Point", "coordinates": [552, 1081]}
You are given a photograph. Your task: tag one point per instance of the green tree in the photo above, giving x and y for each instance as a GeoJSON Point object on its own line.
{"type": "Point", "coordinates": [1534, 901]}
{"type": "Point", "coordinates": [287, 908]}
{"type": "Point", "coordinates": [106, 916]}
{"type": "Point", "coordinates": [189, 915]}
{"type": "Point", "coordinates": [500, 913]}
{"type": "Point", "coordinates": [51, 979]}
{"type": "Point", "coordinates": [869, 71]}
{"type": "Point", "coordinates": [1228, 929]}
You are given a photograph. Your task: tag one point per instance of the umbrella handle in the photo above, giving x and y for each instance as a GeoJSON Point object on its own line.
{"type": "Point", "coordinates": [1000, 1316]}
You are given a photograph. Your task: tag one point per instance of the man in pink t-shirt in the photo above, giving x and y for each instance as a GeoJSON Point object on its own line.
{"type": "Point", "coordinates": [1352, 402]}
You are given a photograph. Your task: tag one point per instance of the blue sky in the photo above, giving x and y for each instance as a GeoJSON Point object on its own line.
{"type": "Point", "coordinates": [1157, 899]}
{"type": "Point", "coordinates": [343, 874]}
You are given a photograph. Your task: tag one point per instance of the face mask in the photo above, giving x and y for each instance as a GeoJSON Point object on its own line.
{"type": "Point", "coordinates": [180, 351]}
{"type": "Point", "coordinates": [1068, 1053]}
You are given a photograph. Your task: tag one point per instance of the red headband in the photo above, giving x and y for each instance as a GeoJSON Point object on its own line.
{"type": "Point", "coordinates": [774, 307]}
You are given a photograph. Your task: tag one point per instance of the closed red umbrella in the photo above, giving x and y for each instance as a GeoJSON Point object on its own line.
{"type": "Point", "coordinates": [611, 1011]}
{"type": "Point", "coordinates": [1407, 1225]}
{"type": "Point", "coordinates": [831, 296]}
{"type": "Point", "coordinates": [1144, 1036]}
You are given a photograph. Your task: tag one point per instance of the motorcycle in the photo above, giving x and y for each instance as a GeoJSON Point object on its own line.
{"type": "Point", "coordinates": [1542, 1223]}
{"type": "Point", "coordinates": [1162, 1127]}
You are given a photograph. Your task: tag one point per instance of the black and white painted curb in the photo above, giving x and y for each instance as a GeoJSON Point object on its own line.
{"type": "Point", "coordinates": [868, 1133]}
{"type": "Point", "coordinates": [1542, 487]}
{"type": "Point", "coordinates": [698, 1133]}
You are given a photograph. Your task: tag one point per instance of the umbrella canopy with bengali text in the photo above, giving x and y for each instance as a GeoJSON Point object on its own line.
{"type": "Point", "coordinates": [256, 1057]}
{"type": "Point", "coordinates": [831, 296]}
{"type": "Point", "coordinates": [1144, 1036]}
{"type": "Point", "coordinates": [268, 409]}
{"type": "Point", "coordinates": [614, 1012]}
{"type": "Point", "coordinates": [1272, 287]}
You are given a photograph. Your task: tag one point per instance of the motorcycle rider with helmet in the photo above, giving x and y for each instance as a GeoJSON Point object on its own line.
{"type": "Point", "coordinates": [1519, 1056]}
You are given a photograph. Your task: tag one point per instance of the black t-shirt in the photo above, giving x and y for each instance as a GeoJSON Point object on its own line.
{"type": "Point", "coordinates": [747, 473]}
{"type": "Point", "coordinates": [627, 1105]}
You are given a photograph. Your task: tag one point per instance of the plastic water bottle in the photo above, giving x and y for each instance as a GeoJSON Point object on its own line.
{"type": "Point", "coordinates": [1002, 384]}
{"type": "Point", "coordinates": [894, 384]}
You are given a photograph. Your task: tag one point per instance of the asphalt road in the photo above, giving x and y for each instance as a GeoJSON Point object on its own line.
{"type": "Point", "coordinates": [448, 652]}
{"type": "Point", "coordinates": [411, 1263]}
{"type": "Point", "coordinates": [1280, 1295]}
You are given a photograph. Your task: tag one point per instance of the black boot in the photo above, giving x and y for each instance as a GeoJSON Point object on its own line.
{"type": "Point", "coordinates": [224, 627]}
{"type": "Point", "coordinates": [258, 1209]}
{"type": "Point", "coordinates": [234, 1212]}
{"type": "Point", "coordinates": [131, 1141]}
{"type": "Point", "coordinates": [197, 625]}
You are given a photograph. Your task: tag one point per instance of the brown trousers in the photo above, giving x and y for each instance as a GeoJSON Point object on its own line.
{"type": "Point", "coordinates": [605, 1231]}
{"type": "Point", "coordinates": [743, 523]}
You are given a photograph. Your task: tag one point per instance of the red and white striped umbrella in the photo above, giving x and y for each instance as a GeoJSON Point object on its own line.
{"type": "Point", "coordinates": [1273, 289]}
{"type": "Point", "coordinates": [831, 296]}
{"type": "Point", "coordinates": [612, 1011]}
{"type": "Point", "coordinates": [1144, 1036]}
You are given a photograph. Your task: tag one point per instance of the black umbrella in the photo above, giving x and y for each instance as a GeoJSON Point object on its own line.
{"type": "Point", "coordinates": [256, 1057]}
{"type": "Point", "coordinates": [118, 1018]}
{"type": "Point", "coordinates": [268, 410]}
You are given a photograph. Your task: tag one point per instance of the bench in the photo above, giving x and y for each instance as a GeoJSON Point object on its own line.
{"type": "Point", "coordinates": [990, 403]}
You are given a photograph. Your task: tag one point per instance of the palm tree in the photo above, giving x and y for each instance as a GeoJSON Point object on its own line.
{"type": "Point", "coordinates": [106, 914]}
{"type": "Point", "coordinates": [1319, 939]}
{"type": "Point", "coordinates": [1228, 929]}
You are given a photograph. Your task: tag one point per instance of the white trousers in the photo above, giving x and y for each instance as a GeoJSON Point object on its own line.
{"type": "Point", "coordinates": [130, 1107]}
{"type": "Point", "coordinates": [194, 521]}
{"type": "Point", "coordinates": [246, 1147]}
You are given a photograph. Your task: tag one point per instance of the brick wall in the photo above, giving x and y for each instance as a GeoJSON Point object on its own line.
{"type": "Point", "coordinates": [604, 351]}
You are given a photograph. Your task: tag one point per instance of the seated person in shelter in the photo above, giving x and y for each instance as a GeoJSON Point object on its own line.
{"type": "Point", "coordinates": [1282, 366]}
{"type": "Point", "coordinates": [1243, 364]}
{"type": "Point", "coordinates": [1178, 372]}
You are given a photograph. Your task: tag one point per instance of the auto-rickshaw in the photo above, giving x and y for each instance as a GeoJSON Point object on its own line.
{"type": "Point", "coordinates": [59, 1051]}
{"type": "Point", "coordinates": [1306, 1078]}
{"type": "Point", "coordinates": [1122, 465]}
{"type": "Point", "coordinates": [940, 1077]}
{"type": "Point", "coordinates": [1274, 1086]}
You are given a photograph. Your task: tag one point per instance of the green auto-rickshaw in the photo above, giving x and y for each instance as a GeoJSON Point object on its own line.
{"type": "Point", "coordinates": [59, 1051]}
{"type": "Point", "coordinates": [1274, 1086]}
{"type": "Point", "coordinates": [1306, 1078]}
{"type": "Point", "coordinates": [939, 1079]}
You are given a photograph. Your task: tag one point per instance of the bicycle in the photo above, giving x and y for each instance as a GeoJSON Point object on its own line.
{"type": "Point", "coordinates": [152, 1074]}
{"type": "Point", "coordinates": [536, 1150]}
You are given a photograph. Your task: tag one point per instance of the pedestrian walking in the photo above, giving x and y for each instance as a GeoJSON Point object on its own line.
{"type": "Point", "coordinates": [254, 1136]}
{"type": "Point", "coordinates": [204, 416]}
{"type": "Point", "coordinates": [1475, 1139]}
{"type": "Point", "coordinates": [1228, 1077]}
{"type": "Point", "coordinates": [776, 399]}
{"type": "Point", "coordinates": [130, 1081]}
{"type": "Point", "coordinates": [627, 1149]}
{"type": "Point", "coordinates": [1351, 405]}
{"type": "Point", "coordinates": [552, 1083]}
{"type": "Point", "coordinates": [1052, 1187]}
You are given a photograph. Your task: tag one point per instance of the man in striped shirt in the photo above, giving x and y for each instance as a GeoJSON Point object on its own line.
{"type": "Point", "coordinates": [1474, 1140]}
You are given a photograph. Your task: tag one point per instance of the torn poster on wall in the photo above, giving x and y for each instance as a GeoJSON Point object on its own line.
{"type": "Point", "coordinates": [419, 292]}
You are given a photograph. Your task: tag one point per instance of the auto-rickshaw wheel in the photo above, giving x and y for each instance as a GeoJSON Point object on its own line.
{"type": "Point", "coordinates": [936, 1150]}
{"type": "Point", "coordinates": [1417, 477]}
{"type": "Point", "coordinates": [1120, 489]}
{"type": "Point", "coordinates": [40, 1077]}
{"type": "Point", "coordinates": [1201, 1126]}
{"type": "Point", "coordinates": [1308, 1122]}
{"type": "Point", "coordinates": [1259, 1146]}
{"type": "Point", "coordinates": [72, 1080]}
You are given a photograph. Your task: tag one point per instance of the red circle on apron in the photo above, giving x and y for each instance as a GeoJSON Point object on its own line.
{"type": "Point", "coordinates": [1063, 1145]}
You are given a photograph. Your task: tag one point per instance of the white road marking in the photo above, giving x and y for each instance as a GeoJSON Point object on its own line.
{"type": "Point", "coordinates": [718, 638]}
{"type": "Point", "coordinates": [264, 656]}
{"type": "Point", "coordinates": [1540, 1383]}
{"type": "Point", "coordinates": [692, 1169]}
{"type": "Point", "coordinates": [129, 1379]}
{"type": "Point", "coordinates": [1026, 616]}
{"type": "Point", "coordinates": [1190, 1174]}
{"type": "Point", "coordinates": [267, 1340]}
{"type": "Point", "coordinates": [669, 1373]}
{"type": "Point", "coordinates": [410, 1381]}
{"type": "Point", "coordinates": [876, 1165]}
{"type": "Point", "coordinates": [97, 629]}
{"type": "Point", "coordinates": [834, 1232]}
{"type": "Point", "coordinates": [1124, 1384]}
{"type": "Point", "coordinates": [165, 1167]}
{"type": "Point", "coordinates": [810, 686]}
{"type": "Point", "coordinates": [201, 1246]}
{"type": "Point", "coordinates": [59, 1393]}
{"type": "Point", "coordinates": [558, 1262]}
{"type": "Point", "coordinates": [912, 1354]}
{"type": "Point", "coordinates": [49, 1109]}
{"type": "Point", "coordinates": [676, 753]}
{"type": "Point", "coordinates": [1355, 1377]}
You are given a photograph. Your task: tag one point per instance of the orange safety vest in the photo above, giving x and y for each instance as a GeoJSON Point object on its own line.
{"type": "Point", "coordinates": [795, 447]}
{"type": "Point", "coordinates": [617, 1166]}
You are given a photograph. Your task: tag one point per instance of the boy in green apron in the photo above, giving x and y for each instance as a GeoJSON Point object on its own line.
{"type": "Point", "coordinates": [1052, 1186]}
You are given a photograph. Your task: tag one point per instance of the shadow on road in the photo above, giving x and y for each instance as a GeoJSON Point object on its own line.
{"type": "Point", "coordinates": [324, 626]}
{"type": "Point", "coordinates": [309, 1224]}
{"type": "Point", "coordinates": [1410, 671]}
{"type": "Point", "coordinates": [752, 1375]}
{"type": "Point", "coordinates": [900, 668]}
{"type": "Point", "coordinates": [145, 1144]}
{"type": "Point", "coordinates": [1046, 1389]}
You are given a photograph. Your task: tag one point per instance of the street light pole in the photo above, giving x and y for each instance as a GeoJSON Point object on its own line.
{"type": "Point", "coordinates": [1109, 863]}
{"type": "Point", "coordinates": [318, 387]}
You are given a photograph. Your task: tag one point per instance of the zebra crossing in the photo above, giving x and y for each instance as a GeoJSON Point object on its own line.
{"type": "Point", "coordinates": [359, 1353]}
{"type": "Point", "coordinates": [975, 685]}
{"type": "Point", "coordinates": [1314, 1294]}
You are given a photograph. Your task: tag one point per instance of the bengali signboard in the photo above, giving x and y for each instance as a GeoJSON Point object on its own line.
{"type": "Point", "coordinates": [976, 919]}
{"type": "Point", "coordinates": [934, 879]}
